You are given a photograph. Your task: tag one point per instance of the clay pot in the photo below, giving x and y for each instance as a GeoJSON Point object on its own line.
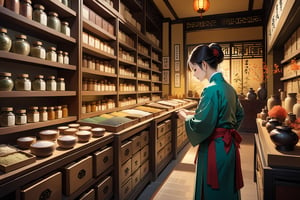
{"type": "Point", "coordinates": [251, 95]}
{"type": "Point", "coordinates": [262, 92]}
{"type": "Point", "coordinates": [272, 101]}
{"type": "Point", "coordinates": [42, 148]}
{"type": "Point", "coordinates": [284, 138]}
{"type": "Point", "coordinates": [290, 101]}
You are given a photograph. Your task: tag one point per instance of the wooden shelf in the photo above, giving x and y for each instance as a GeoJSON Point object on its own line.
{"type": "Point", "coordinates": [32, 60]}
{"type": "Point", "coordinates": [100, 73]}
{"type": "Point", "coordinates": [294, 55]}
{"type": "Point", "coordinates": [9, 94]}
{"type": "Point", "coordinates": [93, 93]}
{"type": "Point", "coordinates": [287, 78]}
{"type": "Point", "coordinates": [24, 25]}
{"type": "Point", "coordinates": [31, 126]}
{"type": "Point", "coordinates": [126, 62]}
{"type": "Point", "coordinates": [97, 30]}
{"type": "Point", "coordinates": [97, 52]}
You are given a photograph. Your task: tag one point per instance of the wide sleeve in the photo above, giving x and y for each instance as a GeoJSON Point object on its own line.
{"type": "Point", "coordinates": [239, 113]}
{"type": "Point", "coordinates": [201, 125]}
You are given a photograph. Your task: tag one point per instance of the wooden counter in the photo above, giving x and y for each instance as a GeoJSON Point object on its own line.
{"type": "Point", "coordinates": [276, 173]}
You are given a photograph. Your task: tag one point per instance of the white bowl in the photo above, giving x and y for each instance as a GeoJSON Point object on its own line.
{"type": "Point", "coordinates": [67, 141]}
{"type": "Point", "coordinates": [84, 136]}
{"type": "Point", "coordinates": [25, 142]}
{"type": "Point", "coordinates": [42, 148]}
{"type": "Point", "coordinates": [48, 135]}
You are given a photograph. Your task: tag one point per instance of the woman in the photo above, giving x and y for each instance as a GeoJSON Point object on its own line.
{"type": "Point", "coordinates": [213, 127]}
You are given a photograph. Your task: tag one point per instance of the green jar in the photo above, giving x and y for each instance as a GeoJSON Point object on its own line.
{"type": "Point", "coordinates": [53, 21]}
{"type": "Point", "coordinates": [6, 83]}
{"type": "Point", "coordinates": [23, 83]}
{"type": "Point", "coordinates": [37, 50]}
{"type": "Point", "coordinates": [39, 83]}
{"type": "Point", "coordinates": [5, 41]}
{"type": "Point", "coordinates": [51, 83]}
{"type": "Point", "coordinates": [39, 14]}
{"type": "Point", "coordinates": [21, 46]}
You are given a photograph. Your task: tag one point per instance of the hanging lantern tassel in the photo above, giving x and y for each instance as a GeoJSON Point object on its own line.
{"type": "Point", "coordinates": [201, 6]}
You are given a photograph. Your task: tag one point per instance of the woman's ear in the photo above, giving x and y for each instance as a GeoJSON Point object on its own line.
{"type": "Point", "coordinates": [204, 66]}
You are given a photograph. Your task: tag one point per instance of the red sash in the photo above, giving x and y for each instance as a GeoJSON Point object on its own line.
{"type": "Point", "coordinates": [212, 172]}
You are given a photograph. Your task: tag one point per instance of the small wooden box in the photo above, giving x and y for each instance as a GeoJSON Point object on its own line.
{"type": "Point", "coordinates": [125, 171]}
{"type": "Point", "coordinates": [77, 174]}
{"type": "Point", "coordinates": [144, 153]}
{"type": "Point", "coordinates": [92, 16]}
{"type": "Point", "coordinates": [168, 125]}
{"type": "Point", "coordinates": [7, 168]}
{"type": "Point", "coordinates": [105, 189]}
{"type": "Point", "coordinates": [136, 144]}
{"type": "Point", "coordinates": [85, 12]}
{"type": "Point", "coordinates": [99, 21]}
{"type": "Point", "coordinates": [126, 151]}
{"type": "Point", "coordinates": [48, 188]}
{"type": "Point", "coordinates": [90, 195]}
{"type": "Point", "coordinates": [136, 161]}
{"type": "Point", "coordinates": [85, 38]}
{"type": "Point", "coordinates": [103, 159]}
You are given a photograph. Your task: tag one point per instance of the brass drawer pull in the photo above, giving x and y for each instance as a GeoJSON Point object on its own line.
{"type": "Point", "coordinates": [46, 194]}
{"type": "Point", "coordinates": [105, 159]}
{"type": "Point", "coordinates": [81, 174]}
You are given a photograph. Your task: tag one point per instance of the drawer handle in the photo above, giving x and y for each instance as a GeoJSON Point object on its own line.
{"type": "Point", "coordinates": [105, 189]}
{"type": "Point", "coordinates": [126, 152]}
{"type": "Point", "coordinates": [126, 189]}
{"type": "Point", "coordinates": [81, 174]}
{"type": "Point", "coordinates": [127, 170]}
{"type": "Point", "coordinates": [105, 159]}
{"type": "Point", "coordinates": [46, 194]}
{"type": "Point", "coordinates": [138, 144]}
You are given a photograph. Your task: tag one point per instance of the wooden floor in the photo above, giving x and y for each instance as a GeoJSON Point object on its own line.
{"type": "Point", "coordinates": [176, 182]}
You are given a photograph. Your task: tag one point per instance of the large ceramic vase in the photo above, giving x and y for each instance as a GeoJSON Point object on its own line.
{"type": "Point", "coordinates": [296, 109]}
{"type": "Point", "coordinates": [290, 101]}
{"type": "Point", "coordinates": [262, 92]}
{"type": "Point", "coordinates": [272, 101]}
{"type": "Point", "coordinates": [284, 138]}
{"type": "Point", "coordinates": [251, 95]}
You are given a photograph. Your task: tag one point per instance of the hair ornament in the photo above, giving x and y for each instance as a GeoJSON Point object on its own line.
{"type": "Point", "coordinates": [215, 52]}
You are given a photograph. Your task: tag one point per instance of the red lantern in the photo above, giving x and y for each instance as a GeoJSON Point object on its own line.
{"type": "Point", "coordinates": [201, 6]}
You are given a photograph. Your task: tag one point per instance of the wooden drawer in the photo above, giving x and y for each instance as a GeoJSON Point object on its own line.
{"type": "Point", "coordinates": [136, 161]}
{"type": "Point", "coordinates": [125, 171]}
{"type": "Point", "coordinates": [126, 189]}
{"type": "Point", "coordinates": [90, 195]}
{"type": "Point", "coordinates": [179, 131]}
{"type": "Point", "coordinates": [161, 143]}
{"type": "Point", "coordinates": [144, 169]}
{"type": "Point", "coordinates": [136, 144]}
{"type": "Point", "coordinates": [160, 156]}
{"type": "Point", "coordinates": [168, 149]}
{"type": "Point", "coordinates": [144, 138]}
{"type": "Point", "coordinates": [103, 159]}
{"type": "Point", "coordinates": [161, 130]}
{"type": "Point", "coordinates": [168, 125]}
{"type": "Point", "coordinates": [48, 188]}
{"type": "Point", "coordinates": [77, 174]}
{"type": "Point", "coordinates": [126, 151]}
{"type": "Point", "coordinates": [168, 137]}
{"type": "Point", "coordinates": [135, 178]}
{"type": "Point", "coordinates": [105, 189]}
{"type": "Point", "coordinates": [144, 153]}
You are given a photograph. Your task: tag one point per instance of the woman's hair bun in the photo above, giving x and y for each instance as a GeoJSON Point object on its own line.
{"type": "Point", "coordinates": [217, 52]}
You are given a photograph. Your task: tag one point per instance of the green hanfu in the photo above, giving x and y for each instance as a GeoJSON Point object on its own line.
{"type": "Point", "coordinates": [218, 107]}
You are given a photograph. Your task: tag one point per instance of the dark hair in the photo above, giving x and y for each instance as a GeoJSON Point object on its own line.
{"type": "Point", "coordinates": [212, 54]}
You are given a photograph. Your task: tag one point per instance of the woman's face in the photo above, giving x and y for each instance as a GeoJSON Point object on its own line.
{"type": "Point", "coordinates": [199, 73]}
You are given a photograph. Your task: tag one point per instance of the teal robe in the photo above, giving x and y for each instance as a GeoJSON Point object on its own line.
{"type": "Point", "coordinates": [219, 107]}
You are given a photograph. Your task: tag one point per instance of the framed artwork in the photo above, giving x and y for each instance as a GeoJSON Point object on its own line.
{"type": "Point", "coordinates": [177, 80]}
{"type": "Point", "coordinates": [166, 77]}
{"type": "Point", "coordinates": [176, 52]}
{"type": "Point", "coordinates": [177, 66]}
{"type": "Point", "coordinates": [166, 62]}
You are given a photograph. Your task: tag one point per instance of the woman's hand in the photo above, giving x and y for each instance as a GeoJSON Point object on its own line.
{"type": "Point", "coordinates": [182, 114]}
